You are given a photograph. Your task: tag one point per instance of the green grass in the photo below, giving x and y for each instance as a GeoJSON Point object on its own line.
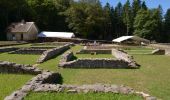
{"type": "Point", "coordinates": [11, 82]}
{"type": "Point", "coordinates": [81, 96]}
{"type": "Point", "coordinates": [19, 58]}
{"type": "Point", "coordinates": [50, 64]}
{"type": "Point", "coordinates": [139, 50]}
{"type": "Point", "coordinates": [152, 77]}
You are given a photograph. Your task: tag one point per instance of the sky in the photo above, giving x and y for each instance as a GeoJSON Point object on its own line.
{"type": "Point", "coordinates": [150, 3]}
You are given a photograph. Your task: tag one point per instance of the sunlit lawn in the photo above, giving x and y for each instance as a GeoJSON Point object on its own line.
{"type": "Point", "coordinates": [11, 82]}
{"type": "Point", "coordinates": [19, 58]}
{"type": "Point", "coordinates": [152, 77]}
{"type": "Point", "coordinates": [81, 96]}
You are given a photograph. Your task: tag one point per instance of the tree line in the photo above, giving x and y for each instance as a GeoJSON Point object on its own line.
{"type": "Point", "coordinates": [88, 18]}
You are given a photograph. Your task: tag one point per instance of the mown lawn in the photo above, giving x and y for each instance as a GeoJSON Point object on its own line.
{"type": "Point", "coordinates": [81, 96]}
{"type": "Point", "coordinates": [11, 82]}
{"type": "Point", "coordinates": [19, 58]}
{"type": "Point", "coordinates": [152, 77]}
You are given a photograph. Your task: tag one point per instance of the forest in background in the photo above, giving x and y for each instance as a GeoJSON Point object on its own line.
{"type": "Point", "coordinates": [88, 18]}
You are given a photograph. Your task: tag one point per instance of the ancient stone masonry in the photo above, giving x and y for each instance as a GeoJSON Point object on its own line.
{"type": "Point", "coordinates": [96, 49]}
{"type": "Point", "coordinates": [96, 88]}
{"type": "Point", "coordinates": [158, 52]}
{"type": "Point", "coordinates": [29, 51]}
{"type": "Point", "coordinates": [66, 62]}
{"type": "Point", "coordinates": [7, 49]}
{"type": "Point", "coordinates": [53, 52]}
{"type": "Point", "coordinates": [121, 55]}
{"type": "Point", "coordinates": [67, 56]}
{"type": "Point", "coordinates": [95, 63]}
{"type": "Point", "coordinates": [45, 77]}
{"type": "Point", "coordinates": [8, 67]}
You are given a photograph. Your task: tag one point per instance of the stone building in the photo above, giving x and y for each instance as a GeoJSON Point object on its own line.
{"type": "Point", "coordinates": [22, 31]}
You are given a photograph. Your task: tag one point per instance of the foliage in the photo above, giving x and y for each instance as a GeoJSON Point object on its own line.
{"type": "Point", "coordinates": [147, 24]}
{"type": "Point", "coordinates": [86, 18]}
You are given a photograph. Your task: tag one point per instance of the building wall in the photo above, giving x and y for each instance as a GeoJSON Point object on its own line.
{"type": "Point", "coordinates": [30, 35]}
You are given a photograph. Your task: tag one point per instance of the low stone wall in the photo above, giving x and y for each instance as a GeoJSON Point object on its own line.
{"type": "Point", "coordinates": [99, 47]}
{"type": "Point", "coordinates": [121, 55]}
{"type": "Point", "coordinates": [2, 50]}
{"type": "Point", "coordinates": [53, 52]}
{"type": "Point", "coordinates": [88, 51]}
{"type": "Point", "coordinates": [123, 61]}
{"type": "Point", "coordinates": [34, 83]}
{"type": "Point", "coordinates": [95, 88]}
{"type": "Point", "coordinates": [158, 52]}
{"type": "Point", "coordinates": [8, 67]}
{"type": "Point", "coordinates": [164, 46]}
{"type": "Point", "coordinates": [67, 56]}
{"type": "Point", "coordinates": [29, 51]}
{"type": "Point", "coordinates": [95, 63]}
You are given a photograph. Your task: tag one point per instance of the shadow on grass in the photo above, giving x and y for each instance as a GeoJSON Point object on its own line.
{"type": "Point", "coordinates": [54, 79]}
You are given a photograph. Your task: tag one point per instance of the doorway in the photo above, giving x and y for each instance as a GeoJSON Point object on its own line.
{"type": "Point", "coordinates": [22, 37]}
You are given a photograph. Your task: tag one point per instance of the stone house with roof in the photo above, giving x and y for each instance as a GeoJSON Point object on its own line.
{"type": "Point", "coordinates": [22, 31]}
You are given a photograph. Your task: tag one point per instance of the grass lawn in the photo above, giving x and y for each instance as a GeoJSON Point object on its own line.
{"type": "Point", "coordinates": [88, 96]}
{"type": "Point", "coordinates": [19, 58]}
{"type": "Point", "coordinates": [11, 82]}
{"type": "Point", "coordinates": [152, 77]}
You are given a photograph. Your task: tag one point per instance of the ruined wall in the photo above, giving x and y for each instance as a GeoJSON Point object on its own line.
{"type": "Point", "coordinates": [35, 82]}
{"type": "Point", "coordinates": [8, 67]}
{"type": "Point", "coordinates": [121, 55]}
{"type": "Point", "coordinates": [95, 63]}
{"type": "Point", "coordinates": [8, 49]}
{"type": "Point", "coordinates": [29, 51]}
{"type": "Point", "coordinates": [67, 56]}
{"type": "Point", "coordinates": [53, 52]}
{"type": "Point", "coordinates": [88, 51]}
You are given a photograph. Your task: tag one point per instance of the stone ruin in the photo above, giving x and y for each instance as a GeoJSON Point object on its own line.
{"type": "Point", "coordinates": [158, 52]}
{"type": "Point", "coordinates": [123, 61]}
{"type": "Point", "coordinates": [43, 77]}
{"type": "Point", "coordinates": [122, 55]}
{"type": "Point", "coordinates": [96, 49]}
{"type": "Point", "coordinates": [47, 81]}
{"type": "Point", "coordinates": [9, 67]}
{"type": "Point", "coordinates": [53, 52]}
{"type": "Point", "coordinates": [7, 49]}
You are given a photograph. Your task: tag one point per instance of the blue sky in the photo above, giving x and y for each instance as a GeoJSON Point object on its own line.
{"type": "Point", "coordinates": [150, 3]}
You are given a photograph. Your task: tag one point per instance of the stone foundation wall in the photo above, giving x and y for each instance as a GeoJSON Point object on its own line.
{"type": "Point", "coordinates": [29, 51]}
{"type": "Point", "coordinates": [95, 63]}
{"type": "Point", "coordinates": [44, 78]}
{"type": "Point", "coordinates": [8, 67]}
{"type": "Point", "coordinates": [67, 56]}
{"type": "Point", "coordinates": [158, 52]}
{"type": "Point", "coordinates": [94, 88]}
{"type": "Point", "coordinates": [99, 47]}
{"type": "Point", "coordinates": [88, 51]}
{"type": "Point", "coordinates": [121, 55]}
{"type": "Point", "coordinates": [53, 52]}
{"type": "Point", "coordinates": [2, 50]}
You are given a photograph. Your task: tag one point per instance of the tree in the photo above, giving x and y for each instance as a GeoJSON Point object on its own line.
{"type": "Point", "coordinates": [146, 23]}
{"type": "Point", "coordinates": [144, 6]}
{"type": "Point", "coordinates": [136, 6]}
{"type": "Point", "coordinates": [120, 27]}
{"type": "Point", "coordinates": [86, 19]}
{"type": "Point", "coordinates": [167, 26]}
{"type": "Point", "coordinates": [127, 17]}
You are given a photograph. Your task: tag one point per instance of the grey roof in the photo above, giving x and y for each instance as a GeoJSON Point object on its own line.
{"type": "Point", "coordinates": [20, 27]}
